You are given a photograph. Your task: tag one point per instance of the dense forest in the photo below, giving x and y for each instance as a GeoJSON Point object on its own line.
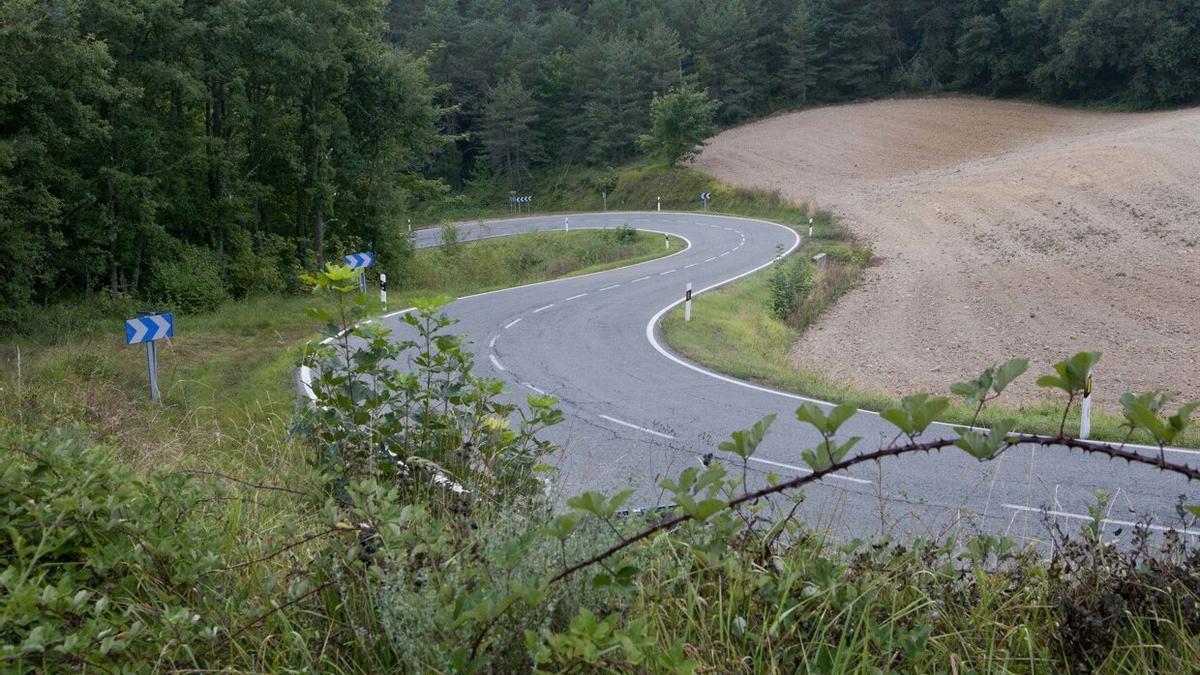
{"type": "Point", "coordinates": [183, 150]}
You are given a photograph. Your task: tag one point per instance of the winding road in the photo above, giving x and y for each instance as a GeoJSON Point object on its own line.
{"type": "Point", "coordinates": [636, 413]}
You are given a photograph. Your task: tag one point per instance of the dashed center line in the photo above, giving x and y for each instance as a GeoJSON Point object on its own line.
{"type": "Point", "coordinates": [639, 279]}
{"type": "Point", "coordinates": [1106, 521]}
{"type": "Point", "coordinates": [496, 362]}
{"type": "Point", "coordinates": [513, 323]}
{"type": "Point", "coordinates": [575, 297]}
{"type": "Point", "coordinates": [800, 469]}
{"type": "Point", "coordinates": [542, 309]}
{"type": "Point", "coordinates": [634, 426]}
{"type": "Point", "coordinates": [663, 274]}
{"type": "Point", "coordinates": [492, 343]}
{"type": "Point", "coordinates": [724, 254]}
{"type": "Point", "coordinates": [543, 393]}
{"type": "Point", "coordinates": [690, 266]}
{"type": "Point", "coordinates": [711, 259]}
{"type": "Point", "coordinates": [609, 288]}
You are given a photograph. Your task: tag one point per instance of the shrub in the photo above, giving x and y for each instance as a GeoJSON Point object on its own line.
{"type": "Point", "coordinates": [254, 267]}
{"type": "Point", "coordinates": [191, 282]}
{"type": "Point", "coordinates": [625, 234]}
{"type": "Point", "coordinates": [791, 282]}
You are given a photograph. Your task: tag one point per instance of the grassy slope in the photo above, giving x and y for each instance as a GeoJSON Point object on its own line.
{"type": "Point", "coordinates": [226, 378]}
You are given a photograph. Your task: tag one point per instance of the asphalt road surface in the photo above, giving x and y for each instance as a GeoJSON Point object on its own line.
{"type": "Point", "coordinates": [635, 413]}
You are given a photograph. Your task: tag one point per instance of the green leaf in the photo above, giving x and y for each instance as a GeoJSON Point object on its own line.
{"type": "Point", "coordinates": [1193, 509]}
{"type": "Point", "coordinates": [1008, 372]}
{"type": "Point", "coordinates": [985, 446]}
{"type": "Point", "coordinates": [812, 414]}
{"type": "Point", "coordinates": [744, 443]}
{"type": "Point", "coordinates": [1072, 373]}
{"type": "Point", "coordinates": [915, 413]}
{"type": "Point", "coordinates": [705, 508]}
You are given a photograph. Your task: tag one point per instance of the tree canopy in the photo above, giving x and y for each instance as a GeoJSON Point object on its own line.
{"type": "Point", "coordinates": [137, 133]}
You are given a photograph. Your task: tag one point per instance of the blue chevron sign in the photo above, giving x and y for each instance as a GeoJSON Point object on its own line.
{"type": "Point", "coordinates": [149, 328]}
{"type": "Point", "coordinates": [360, 260]}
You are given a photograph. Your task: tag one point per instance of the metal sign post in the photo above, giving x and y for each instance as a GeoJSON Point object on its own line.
{"type": "Point", "coordinates": [704, 198]}
{"type": "Point", "coordinates": [150, 328]}
{"type": "Point", "coordinates": [360, 261]}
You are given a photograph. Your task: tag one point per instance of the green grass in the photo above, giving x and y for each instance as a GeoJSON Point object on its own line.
{"type": "Point", "coordinates": [227, 377]}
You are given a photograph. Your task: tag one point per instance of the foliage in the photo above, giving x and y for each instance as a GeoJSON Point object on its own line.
{"type": "Point", "coordinates": [680, 121]}
{"type": "Point", "coordinates": [791, 282]}
{"type": "Point", "coordinates": [190, 283]}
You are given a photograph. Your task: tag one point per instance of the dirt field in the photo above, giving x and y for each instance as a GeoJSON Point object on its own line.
{"type": "Point", "coordinates": [1003, 229]}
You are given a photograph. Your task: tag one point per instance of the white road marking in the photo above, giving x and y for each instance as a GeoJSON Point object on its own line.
{"type": "Point", "coordinates": [801, 469]}
{"type": "Point", "coordinates": [496, 362]}
{"type": "Point", "coordinates": [542, 309]}
{"type": "Point", "coordinates": [724, 254]}
{"type": "Point", "coordinates": [663, 274]}
{"type": "Point", "coordinates": [634, 426]}
{"type": "Point", "coordinates": [1106, 521]}
{"type": "Point", "coordinates": [575, 297]}
{"type": "Point", "coordinates": [398, 313]}
{"type": "Point", "coordinates": [711, 259]}
{"type": "Point", "coordinates": [492, 343]}
{"type": "Point", "coordinates": [512, 323]}
{"type": "Point", "coordinates": [639, 279]}
{"type": "Point", "coordinates": [534, 388]}
{"type": "Point", "coordinates": [609, 288]}
{"type": "Point", "coordinates": [688, 267]}
{"type": "Point", "coordinates": [736, 247]}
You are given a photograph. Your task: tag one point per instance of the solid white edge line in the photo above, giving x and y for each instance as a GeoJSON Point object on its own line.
{"type": "Point", "coordinates": [1105, 521]}
{"type": "Point", "coordinates": [542, 309]}
{"type": "Point", "coordinates": [654, 320]}
{"type": "Point", "coordinates": [634, 426]}
{"type": "Point", "coordinates": [800, 469]}
{"type": "Point", "coordinates": [496, 362]}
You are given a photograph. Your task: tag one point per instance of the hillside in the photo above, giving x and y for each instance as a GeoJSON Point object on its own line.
{"type": "Point", "coordinates": [1001, 229]}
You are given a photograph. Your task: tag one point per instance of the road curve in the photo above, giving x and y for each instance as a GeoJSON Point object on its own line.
{"type": "Point", "coordinates": [636, 413]}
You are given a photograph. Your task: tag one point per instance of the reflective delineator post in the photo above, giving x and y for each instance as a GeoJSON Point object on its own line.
{"type": "Point", "coordinates": [660, 203]}
{"type": "Point", "coordinates": [667, 241]}
{"type": "Point", "coordinates": [810, 228]}
{"type": "Point", "coordinates": [566, 224]}
{"type": "Point", "coordinates": [1085, 411]}
{"type": "Point", "coordinates": [383, 289]}
{"type": "Point", "coordinates": [687, 303]}
{"type": "Point", "coordinates": [604, 199]}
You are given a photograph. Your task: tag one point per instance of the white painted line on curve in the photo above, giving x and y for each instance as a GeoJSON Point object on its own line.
{"type": "Point", "coordinates": [512, 323]}
{"type": "Point", "coordinates": [492, 342]}
{"type": "Point", "coordinates": [639, 279]}
{"type": "Point", "coordinates": [1106, 521]}
{"type": "Point", "coordinates": [496, 362]}
{"type": "Point", "coordinates": [634, 426]}
{"type": "Point", "coordinates": [534, 388]}
{"type": "Point", "coordinates": [805, 470]}
{"type": "Point", "coordinates": [663, 274]}
{"type": "Point", "coordinates": [724, 254]}
{"type": "Point", "coordinates": [575, 297]}
{"type": "Point", "coordinates": [688, 267]}
{"type": "Point", "coordinates": [609, 288]}
{"type": "Point", "coordinates": [711, 259]}
{"type": "Point", "coordinates": [542, 309]}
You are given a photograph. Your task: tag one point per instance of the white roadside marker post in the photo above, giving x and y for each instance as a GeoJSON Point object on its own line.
{"type": "Point", "coordinates": [1085, 413]}
{"type": "Point", "coordinates": [566, 224]}
{"type": "Point", "coordinates": [604, 199]}
{"type": "Point", "coordinates": [660, 203]}
{"type": "Point", "coordinates": [667, 242]}
{"type": "Point", "coordinates": [410, 224]}
{"type": "Point", "coordinates": [810, 228]}
{"type": "Point", "coordinates": [687, 303]}
{"type": "Point", "coordinates": [383, 290]}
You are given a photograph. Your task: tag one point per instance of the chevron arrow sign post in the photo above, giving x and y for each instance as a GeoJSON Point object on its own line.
{"type": "Point", "coordinates": [149, 329]}
{"type": "Point", "coordinates": [360, 260]}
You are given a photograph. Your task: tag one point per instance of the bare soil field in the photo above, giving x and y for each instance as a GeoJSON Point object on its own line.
{"type": "Point", "coordinates": [1002, 229]}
